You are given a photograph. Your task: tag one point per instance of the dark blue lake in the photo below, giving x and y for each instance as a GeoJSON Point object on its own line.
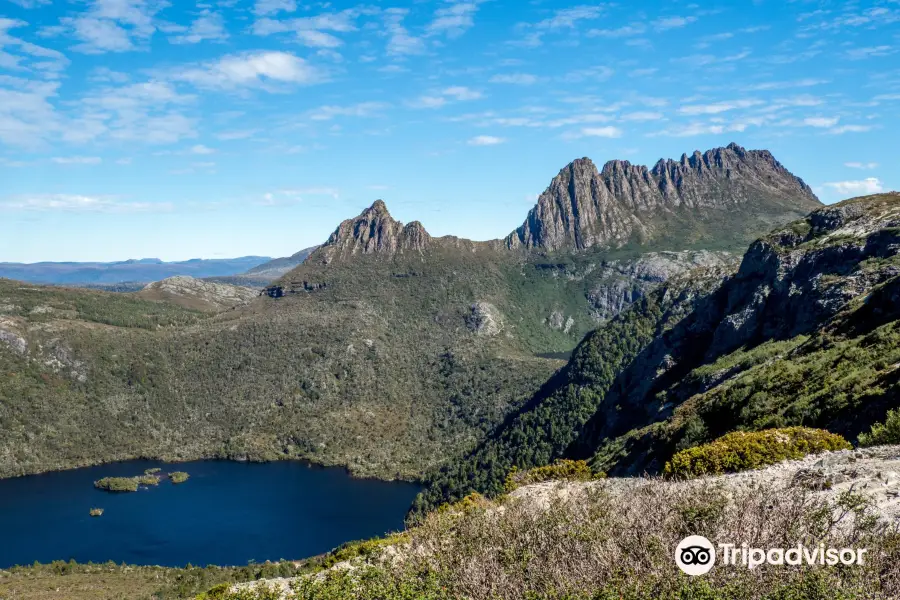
{"type": "Point", "coordinates": [227, 513]}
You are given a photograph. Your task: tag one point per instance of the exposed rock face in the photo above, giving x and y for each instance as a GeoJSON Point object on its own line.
{"type": "Point", "coordinates": [624, 282]}
{"type": "Point", "coordinates": [584, 207]}
{"type": "Point", "coordinates": [485, 319]}
{"type": "Point", "coordinates": [374, 231]}
{"type": "Point", "coordinates": [11, 337]}
{"type": "Point", "coordinates": [198, 294]}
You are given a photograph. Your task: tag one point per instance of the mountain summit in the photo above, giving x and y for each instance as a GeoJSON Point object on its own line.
{"type": "Point", "coordinates": [374, 231]}
{"type": "Point", "coordinates": [584, 207]}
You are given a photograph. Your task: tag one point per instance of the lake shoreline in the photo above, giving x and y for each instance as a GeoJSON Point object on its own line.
{"type": "Point", "coordinates": [181, 460]}
{"type": "Point", "coordinates": [270, 510]}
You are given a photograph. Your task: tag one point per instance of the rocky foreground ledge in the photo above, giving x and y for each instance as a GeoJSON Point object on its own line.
{"type": "Point", "coordinates": [577, 535]}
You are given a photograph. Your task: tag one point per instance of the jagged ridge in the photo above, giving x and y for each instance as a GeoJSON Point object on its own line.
{"type": "Point", "coordinates": [584, 207]}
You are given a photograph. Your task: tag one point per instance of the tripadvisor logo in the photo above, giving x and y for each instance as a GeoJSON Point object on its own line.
{"type": "Point", "coordinates": [696, 555]}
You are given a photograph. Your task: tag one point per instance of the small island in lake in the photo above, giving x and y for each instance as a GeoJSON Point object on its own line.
{"type": "Point", "coordinates": [178, 477]}
{"type": "Point", "coordinates": [117, 484]}
{"type": "Point", "coordinates": [96, 512]}
{"type": "Point", "coordinates": [133, 484]}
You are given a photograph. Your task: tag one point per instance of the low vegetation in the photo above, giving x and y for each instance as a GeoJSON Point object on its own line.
{"type": "Point", "coordinates": [178, 477]}
{"type": "Point", "coordinates": [96, 512]}
{"type": "Point", "coordinates": [597, 541]}
{"type": "Point", "coordinates": [109, 581]}
{"type": "Point", "coordinates": [742, 451]}
{"type": "Point", "coordinates": [152, 471]}
{"type": "Point", "coordinates": [561, 470]}
{"type": "Point", "coordinates": [883, 433]}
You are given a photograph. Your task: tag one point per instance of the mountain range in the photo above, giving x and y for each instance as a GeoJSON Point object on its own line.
{"type": "Point", "coordinates": [386, 350]}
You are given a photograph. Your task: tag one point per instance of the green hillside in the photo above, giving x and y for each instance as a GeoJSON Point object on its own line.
{"type": "Point", "coordinates": [805, 333]}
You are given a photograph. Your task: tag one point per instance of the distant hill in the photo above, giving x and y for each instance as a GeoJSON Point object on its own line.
{"type": "Point", "coordinates": [143, 270]}
{"type": "Point", "coordinates": [277, 267]}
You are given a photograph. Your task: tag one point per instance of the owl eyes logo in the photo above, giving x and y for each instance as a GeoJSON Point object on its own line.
{"type": "Point", "coordinates": [695, 555]}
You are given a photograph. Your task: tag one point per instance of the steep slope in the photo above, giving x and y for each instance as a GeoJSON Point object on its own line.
{"type": "Point", "coordinates": [723, 196]}
{"type": "Point", "coordinates": [387, 350]}
{"type": "Point", "coordinates": [806, 332]}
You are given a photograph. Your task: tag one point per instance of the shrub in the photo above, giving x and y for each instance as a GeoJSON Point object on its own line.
{"type": "Point", "coordinates": [152, 471]}
{"type": "Point", "coordinates": [561, 470]}
{"type": "Point", "coordinates": [148, 480]}
{"type": "Point", "coordinates": [178, 477]}
{"type": "Point", "coordinates": [117, 484]}
{"type": "Point", "coordinates": [883, 433]}
{"type": "Point", "coordinates": [741, 451]}
{"type": "Point", "coordinates": [96, 512]}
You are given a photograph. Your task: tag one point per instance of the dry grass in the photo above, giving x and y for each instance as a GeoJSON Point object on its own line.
{"type": "Point", "coordinates": [604, 540]}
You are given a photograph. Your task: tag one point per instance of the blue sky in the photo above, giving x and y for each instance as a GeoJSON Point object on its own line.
{"type": "Point", "coordinates": [182, 129]}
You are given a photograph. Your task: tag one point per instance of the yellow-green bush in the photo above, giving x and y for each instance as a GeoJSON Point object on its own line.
{"type": "Point", "coordinates": [561, 470]}
{"type": "Point", "coordinates": [883, 433]}
{"type": "Point", "coordinates": [742, 451]}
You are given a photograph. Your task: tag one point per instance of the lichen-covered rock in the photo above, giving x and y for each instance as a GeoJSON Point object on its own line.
{"type": "Point", "coordinates": [198, 294]}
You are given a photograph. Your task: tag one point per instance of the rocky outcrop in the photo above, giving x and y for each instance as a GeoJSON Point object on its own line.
{"type": "Point", "coordinates": [373, 232]}
{"type": "Point", "coordinates": [198, 294]}
{"type": "Point", "coordinates": [584, 208]}
{"type": "Point", "coordinates": [484, 319]}
{"type": "Point", "coordinates": [621, 283]}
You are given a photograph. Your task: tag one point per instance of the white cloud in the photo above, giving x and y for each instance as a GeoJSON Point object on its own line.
{"type": "Point", "coordinates": [294, 196]}
{"type": "Point", "coordinates": [363, 109]}
{"type": "Point", "coordinates": [568, 18]}
{"type": "Point", "coordinates": [642, 115]}
{"type": "Point", "coordinates": [209, 26]}
{"type": "Point", "coordinates": [462, 93]}
{"type": "Point", "coordinates": [77, 160]}
{"type": "Point", "coordinates": [80, 203]}
{"type": "Point", "coordinates": [201, 149]}
{"type": "Point", "coordinates": [28, 56]}
{"type": "Point", "coordinates": [250, 69]}
{"type": "Point", "coordinates": [31, 3]}
{"type": "Point", "coordinates": [599, 73]}
{"type": "Point", "coordinates": [870, 185]}
{"type": "Point", "coordinates": [850, 129]}
{"type": "Point", "coordinates": [453, 20]}
{"type": "Point", "coordinates": [270, 7]}
{"type": "Point", "coordinates": [515, 78]}
{"type": "Point", "coordinates": [869, 52]}
{"type": "Point", "coordinates": [717, 107]}
{"type": "Point", "coordinates": [113, 25]}
{"type": "Point", "coordinates": [603, 132]}
{"type": "Point", "coordinates": [428, 102]}
{"type": "Point", "coordinates": [237, 134]}
{"type": "Point", "coordinates": [861, 165]}
{"type": "Point", "coordinates": [821, 121]}
{"type": "Point", "coordinates": [400, 42]}
{"type": "Point", "coordinates": [672, 23]}
{"type": "Point", "coordinates": [625, 31]}
{"type": "Point", "coordinates": [485, 140]}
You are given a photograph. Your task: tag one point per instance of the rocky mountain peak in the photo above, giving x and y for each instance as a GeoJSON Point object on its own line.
{"type": "Point", "coordinates": [583, 207]}
{"type": "Point", "coordinates": [374, 231]}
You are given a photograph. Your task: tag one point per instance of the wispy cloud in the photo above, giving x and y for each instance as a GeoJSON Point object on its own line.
{"type": "Point", "coordinates": [515, 78]}
{"type": "Point", "coordinates": [485, 140]}
{"type": "Point", "coordinates": [362, 109]}
{"type": "Point", "coordinates": [861, 165]}
{"type": "Point", "coordinates": [453, 20]}
{"type": "Point", "coordinates": [209, 26]}
{"type": "Point", "coordinates": [602, 132]}
{"type": "Point", "coordinates": [251, 69]}
{"type": "Point", "coordinates": [668, 23]}
{"type": "Point", "coordinates": [77, 160]}
{"type": "Point", "coordinates": [718, 107]}
{"type": "Point", "coordinates": [870, 185]}
{"type": "Point", "coordinates": [81, 203]}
